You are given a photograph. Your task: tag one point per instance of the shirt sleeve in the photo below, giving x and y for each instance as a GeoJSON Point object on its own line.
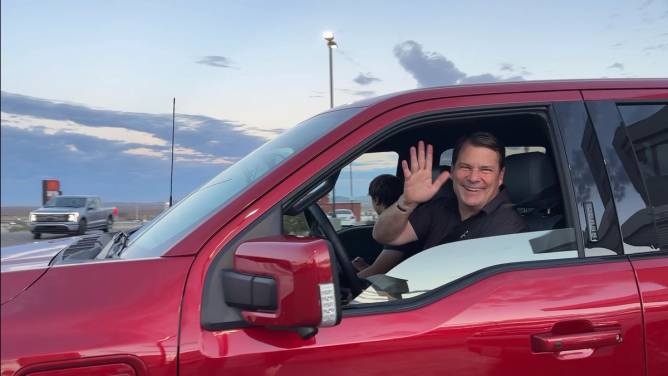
{"type": "Point", "coordinates": [420, 220]}
{"type": "Point", "coordinates": [407, 250]}
{"type": "Point", "coordinates": [508, 223]}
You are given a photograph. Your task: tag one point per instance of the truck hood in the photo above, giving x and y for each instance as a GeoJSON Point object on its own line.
{"type": "Point", "coordinates": [22, 265]}
{"type": "Point", "coordinates": [56, 210]}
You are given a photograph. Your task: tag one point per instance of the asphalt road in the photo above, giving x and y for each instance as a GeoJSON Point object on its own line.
{"type": "Point", "coordinates": [23, 237]}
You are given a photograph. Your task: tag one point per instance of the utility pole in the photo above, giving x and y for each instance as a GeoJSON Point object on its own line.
{"type": "Point", "coordinates": [171, 171]}
{"type": "Point", "coordinates": [331, 44]}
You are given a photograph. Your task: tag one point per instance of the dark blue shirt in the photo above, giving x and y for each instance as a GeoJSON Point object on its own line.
{"type": "Point", "coordinates": [438, 221]}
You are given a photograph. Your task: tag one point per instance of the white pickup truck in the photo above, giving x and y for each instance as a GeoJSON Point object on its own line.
{"type": "Point", "coordinates": [72, 215]}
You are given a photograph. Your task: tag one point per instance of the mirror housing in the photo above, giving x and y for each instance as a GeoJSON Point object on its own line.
{"type": "Point", "coordinates": [284, 282]}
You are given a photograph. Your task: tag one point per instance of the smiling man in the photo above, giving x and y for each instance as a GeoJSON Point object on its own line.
{"type": "Point", "coordinates": [478, 208]}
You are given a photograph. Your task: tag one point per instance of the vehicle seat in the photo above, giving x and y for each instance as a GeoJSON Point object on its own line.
{"type": "Point", "coordinates": [533, 187]}
{"type": "Point", "coordinates": [446, 189]}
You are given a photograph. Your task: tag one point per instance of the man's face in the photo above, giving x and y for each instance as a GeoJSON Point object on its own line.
{"type": "Point", "coordinates": [477, 176]}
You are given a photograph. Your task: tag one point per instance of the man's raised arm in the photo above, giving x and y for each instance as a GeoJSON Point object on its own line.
{"type": "Point", "coordinates": [393, 227]}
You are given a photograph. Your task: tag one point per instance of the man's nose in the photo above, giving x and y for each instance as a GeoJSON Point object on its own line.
{"type": "Point", "coordinates": [474, 176]}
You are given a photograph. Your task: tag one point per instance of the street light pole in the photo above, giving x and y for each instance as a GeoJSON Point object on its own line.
{"type": "Point", "coordinates": [331, 44]}
{"type": "Point", "coordinates": [331, 76]}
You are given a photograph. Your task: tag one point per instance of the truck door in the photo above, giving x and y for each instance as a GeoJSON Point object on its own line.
{"type": "Point", "coordinates": [560, 299]}
{"type": "Point", "coordinates": [633, 127]}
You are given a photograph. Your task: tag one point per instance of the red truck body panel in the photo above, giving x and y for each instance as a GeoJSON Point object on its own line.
{"type": "Point", "coordinates": [482, 329]}
{"type": "Point", "coordinates": [90, 310]}
{"type": "Point", "coordinates": [652, 275]}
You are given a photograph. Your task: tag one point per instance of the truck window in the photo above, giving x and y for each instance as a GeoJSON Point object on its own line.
{"type": "Point", "coordinates": [353, 204]}
{"type": "Point", "coordinates": [352, 189]}
{"type": "Point", "coordinates": [549, 233]}
{"type": "Point", "coordinates": [67, 202]}
{"type": "Point", "coordinates": [646, 163]}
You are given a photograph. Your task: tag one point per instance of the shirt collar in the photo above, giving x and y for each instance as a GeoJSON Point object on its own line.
{"type": "Point", "coordinates": [501, 198]}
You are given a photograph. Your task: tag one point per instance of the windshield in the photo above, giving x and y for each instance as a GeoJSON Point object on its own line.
{"type": "Point", "coordinates": [66, 202]}
{"type": "Point", "coordinates": [157, 237]}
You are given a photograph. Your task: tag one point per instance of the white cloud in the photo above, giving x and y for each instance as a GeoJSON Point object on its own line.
{"type": "Point", "coordinates": [52, 127]}
{"type": "Point", "coordinates": [181, 154]}
{"type": "Point", "coordinates": [207, 159]}
{"type": "Point", "coordinates": [222, 160]}
{"type": "Point", "coordinates": [187, 124]}
{"type": "Point", "coordinates": [146, 152]}
{"type": "Point", "coordinates": [186, 151]}
{"type": "Point", "coordinates": [154, 147]}
{"type": "Point", "coordinates": [267, 134]}
{"type": "Point", "coordinates": [72, 148]}
{"type": "Point", "coordinates": [374, 161]}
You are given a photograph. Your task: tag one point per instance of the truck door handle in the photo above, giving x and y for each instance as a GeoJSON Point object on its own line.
{"type": "Point", "coordinates": [548, 342]}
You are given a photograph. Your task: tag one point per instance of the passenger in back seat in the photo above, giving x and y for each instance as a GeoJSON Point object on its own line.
{"type": "Point", "coordinates": [478, 208]}
{"type": "Point", "coordinates": [384, 191]}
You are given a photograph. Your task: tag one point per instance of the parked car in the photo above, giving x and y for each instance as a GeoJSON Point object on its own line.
{"type": "Point", "coordinates": [72, 215]}
{"type": "Point", "coordinates": [216, 285]}
{"type": "Point", "coordinates": [345, 216]}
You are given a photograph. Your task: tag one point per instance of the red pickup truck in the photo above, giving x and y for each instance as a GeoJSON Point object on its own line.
{"type": "Point", "coordinates": [247, 276]}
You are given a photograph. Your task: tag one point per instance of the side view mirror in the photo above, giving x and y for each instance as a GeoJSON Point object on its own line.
{"type": "Point", "coordinates": [285, 282]}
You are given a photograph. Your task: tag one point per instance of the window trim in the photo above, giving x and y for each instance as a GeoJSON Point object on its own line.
{"type": "Point", "coordinates": [565, 179]}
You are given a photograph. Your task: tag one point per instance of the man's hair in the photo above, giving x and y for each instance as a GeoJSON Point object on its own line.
{"type": "Point", "coordinates": [385, 189]}
{"type": "Point", "coordinates": [481, 139]}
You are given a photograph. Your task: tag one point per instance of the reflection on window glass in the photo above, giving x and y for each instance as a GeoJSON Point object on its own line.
{"type": "Point", "coordinates": [647, 129]}
{"type": "Point", "coordinates": [440, 265]}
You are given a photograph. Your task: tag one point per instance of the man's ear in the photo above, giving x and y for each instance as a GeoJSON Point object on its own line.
{"type": "Point", "coordinates": [503, 171]}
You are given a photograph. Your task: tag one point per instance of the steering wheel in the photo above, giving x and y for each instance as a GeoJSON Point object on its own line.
{"type": "Point", "coordinates": [348, 272]}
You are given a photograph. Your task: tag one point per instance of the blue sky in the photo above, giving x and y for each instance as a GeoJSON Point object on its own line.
{"type": "Point", "coordinates": [249, 66]}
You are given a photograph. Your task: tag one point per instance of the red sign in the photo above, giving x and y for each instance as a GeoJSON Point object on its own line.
{"type": "Point", "coordinates": [50, 188]}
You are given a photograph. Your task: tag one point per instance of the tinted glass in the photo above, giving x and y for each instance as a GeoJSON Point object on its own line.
{"type": "Point", "coordinates": [67, 202]}
{"type": "Point", "coordinates": [646, 163]}
{"type": "Point", "coordinates": [163, 232]}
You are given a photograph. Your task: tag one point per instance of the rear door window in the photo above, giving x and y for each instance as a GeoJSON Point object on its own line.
{"type": "Point", "coordinates": [646, 163]}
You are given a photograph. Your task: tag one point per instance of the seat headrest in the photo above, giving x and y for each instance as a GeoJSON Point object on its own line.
{"type": "Point", "coordinates": [531, 180]}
